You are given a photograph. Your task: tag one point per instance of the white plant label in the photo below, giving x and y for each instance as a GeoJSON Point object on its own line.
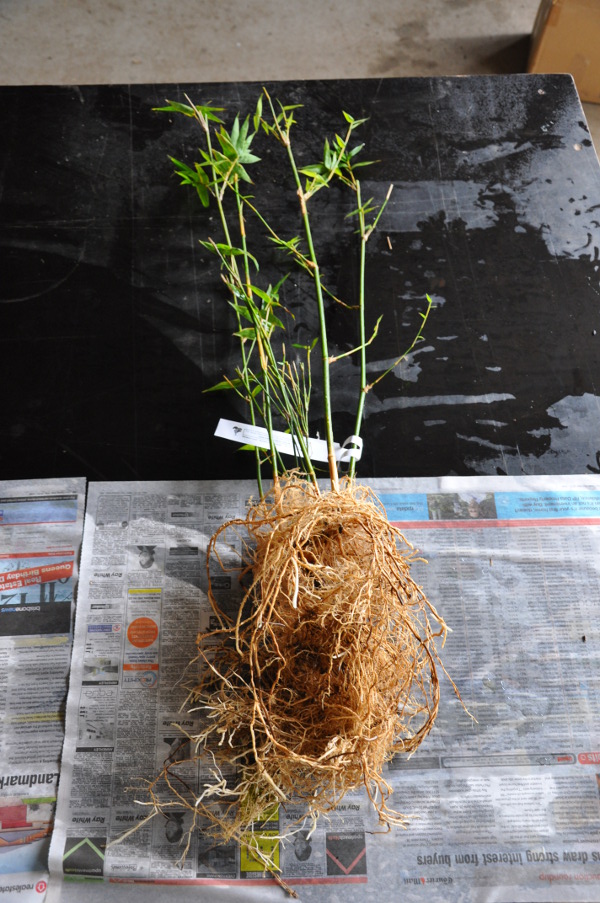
{"type": "Point", "coordinates": [257, 436]}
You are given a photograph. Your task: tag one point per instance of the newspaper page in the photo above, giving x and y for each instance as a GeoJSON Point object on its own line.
{"type": "Point", "coordinates": [505, 797]}
{"type": "Point", "coordinates": [41, 525]}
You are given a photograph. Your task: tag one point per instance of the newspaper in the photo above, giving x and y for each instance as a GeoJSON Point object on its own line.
{"type": "Point", "coordinates": [506, 803]}
{"type": "Point", "coordinates": [41, 525]}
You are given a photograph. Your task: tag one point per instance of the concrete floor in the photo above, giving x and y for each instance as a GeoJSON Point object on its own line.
{"type": "Point", "coordinates": [117, 41]}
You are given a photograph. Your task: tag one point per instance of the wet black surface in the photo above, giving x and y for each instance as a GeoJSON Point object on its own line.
{"type": "Point", "coordinates": [112, 320]}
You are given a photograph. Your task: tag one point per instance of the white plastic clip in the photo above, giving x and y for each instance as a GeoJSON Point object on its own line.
{"type": "Point", "coordinates": [351, 448]}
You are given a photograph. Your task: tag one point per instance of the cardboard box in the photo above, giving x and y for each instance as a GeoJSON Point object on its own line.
{"type": "Point", "coordinates": [566, 38]}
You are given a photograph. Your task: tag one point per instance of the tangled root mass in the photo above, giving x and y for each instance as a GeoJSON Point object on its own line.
{"type": "Point", "coordinates": [327, 671]}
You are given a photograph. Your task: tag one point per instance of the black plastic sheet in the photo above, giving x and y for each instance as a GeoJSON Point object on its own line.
{"type": "Point", "coordinates": [113, 319]}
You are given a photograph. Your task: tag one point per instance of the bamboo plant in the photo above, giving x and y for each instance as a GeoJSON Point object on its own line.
{"type": "Point", "coordinates": [270, 384]}
{"type": "Point", "coordinates": [328, 669]}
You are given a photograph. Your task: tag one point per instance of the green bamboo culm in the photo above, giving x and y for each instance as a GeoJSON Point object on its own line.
{"type": "Point", "coordinates": [273, 387]}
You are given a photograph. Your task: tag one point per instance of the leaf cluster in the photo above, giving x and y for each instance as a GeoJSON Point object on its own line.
{"type": "Point", "coordinates": [219, 166]}
{"type": "Point", "coordinates": [276, 388]}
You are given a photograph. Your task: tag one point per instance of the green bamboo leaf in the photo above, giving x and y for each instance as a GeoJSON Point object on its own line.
{"type": "Point", "coordinates": [264, 296]}
{"type": "Point", "coordinates": [290, 245]}
{"type": "Point", "coordinates": [174, 107]}
{"type": "Point", "coordinates": [225, 384]}
{"type": "Point", "coordinates": [244, 132]}
{"type": "Point", "coordinates": [181, 167]}
{"type": "Point", "coordinates": [242, 310]}
{"type": "Point", "coordinates": [196, 177]}
{"type": "Point", "coordinates": [185, 109]}
{"type": "Point", "coordinates": [273, 320]}
{"type": "Point", "coordinates": [310, 347]}
{"type": "Point", "coordinates": [258, 112]}
{"type": "Point", "coordinates": [275, 289]}
{"type": "Point", "coordinates": [225, 250]}
{"type": "Point", "coordinates": [235, 131]}
{"type": "Point", "coordinates": [353, 123]}
{"type": "Point", "coordinates": [203, 195]}
{"type": "Point", "coordinates": [356, 150]}
{"type": "Point", "coordinates": [312, 169]}
{"type": "Point", "coordinates": [241, 172]}
{"type": "Point", "coordinates": [248, 332]}
{"type": "Point", "coordinates": [236, 145]}
{"type": "Point", "coordinates": [367, 207]}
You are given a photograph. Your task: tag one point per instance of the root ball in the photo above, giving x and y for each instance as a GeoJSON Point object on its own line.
{"type": "Point", "coordinates": [327, 671]}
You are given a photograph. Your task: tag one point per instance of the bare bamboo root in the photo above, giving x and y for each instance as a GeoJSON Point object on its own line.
{"type": "Point", "coordinates": [327, 672]}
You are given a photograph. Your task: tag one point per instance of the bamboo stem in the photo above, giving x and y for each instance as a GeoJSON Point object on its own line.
{"type": "Point", "coordinates": [361, 320]}
{"type": "Point", "coordinates": [331, 459]}
{"type": "Point", "coordinates": [233, 264]}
